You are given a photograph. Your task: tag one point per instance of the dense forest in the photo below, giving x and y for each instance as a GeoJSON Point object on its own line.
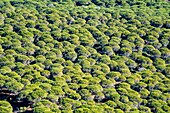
{"type": "Point", "coordinates": [84, 56]}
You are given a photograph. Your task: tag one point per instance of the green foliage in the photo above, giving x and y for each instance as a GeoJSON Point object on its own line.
{"type": "Point", "coordinates": [84, 56]}
{"type": "Point", "coordinates": [5, 107]}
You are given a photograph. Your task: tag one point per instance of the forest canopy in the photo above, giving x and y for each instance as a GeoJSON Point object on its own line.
{"type": "Point", "coordinates": [84, 56]}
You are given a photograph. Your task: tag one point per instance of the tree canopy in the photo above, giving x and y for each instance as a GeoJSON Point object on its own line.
{"type": "Point", "coordinates": [84, 56]}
